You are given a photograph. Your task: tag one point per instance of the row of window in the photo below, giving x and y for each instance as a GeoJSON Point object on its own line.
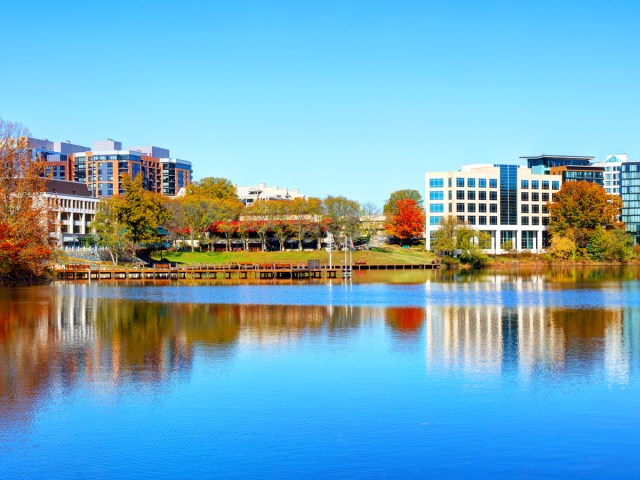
{"type": "Point", "coordinates": [535, 184]}
{"type": "Point", "coordinates": [460, 182]}
{"type": "Point", "coordinates": [535, 197]}
{"type": "Point", "coordinates": [471, 195]}
{"type": "Point", "coordinates": [534, 208]}
{"type": "Point", "coordinates": [471, 207]}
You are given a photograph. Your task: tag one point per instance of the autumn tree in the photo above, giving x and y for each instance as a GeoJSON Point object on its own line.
{"type": "Point", "coordinates": [579, 207]}
{"type": "Point", "coordinates": [585, 214]}
{"type": "Point", "coordinates": [408, 194]}
{"type": "Point", "coordinates": [214, 188]}
{"type": "Point", "coordinates": [25, 216]}
{"type": "Point", "coordinates": [406, 220]}
{"type": "Point", "coordinates": [455, 237]}
{"type": "Point", "coordinates": [303, 213]}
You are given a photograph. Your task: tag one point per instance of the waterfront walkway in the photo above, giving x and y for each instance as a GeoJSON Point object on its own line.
{"type": "Point", "coordinates": [258, 271]}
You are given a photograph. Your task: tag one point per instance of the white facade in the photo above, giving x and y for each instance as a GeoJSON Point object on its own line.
{"type": "Point", "coordinates": [253, 193]}
{"type": "Point", "coordinates": [612, 167]}
{"type": "Point", "coordinates": [506, 201]}
{"type": "Point", "coordinates": [73, 211]}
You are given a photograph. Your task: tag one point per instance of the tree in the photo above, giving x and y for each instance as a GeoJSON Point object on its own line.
{"type": "Point", "coordinates": [369, 221]}
{"type": "Point", "coordinates": [562, 247]}
{"type": "Point", "coordinates": [198, 215]}
{"type": "Point", "coordinates": [141, 212]}
{"type": "Point", "coordinates": [302, 213]}
{"type": "Point", "coordinates": [444, 238]}
{"type": "Point", "coordinates": [110, 232]}
{"type": "Point", "coordinates": [391, 204]}
{"type": "Point", "coordinates": [342, 215]}
{"type": "Point", "coordinates": [454, 237]}
{"type": "Point", "coordinates": [25, 217]}
{"type": "Point", "coordinates": [579, 208]}
{"type": "Point", "coordinates": [213, 188]}
{"type": "Point", "coordinates": [406, 220]}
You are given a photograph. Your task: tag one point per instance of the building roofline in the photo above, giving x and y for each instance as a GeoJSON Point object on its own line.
{"type": "Point", "coordinates": [544, 155]}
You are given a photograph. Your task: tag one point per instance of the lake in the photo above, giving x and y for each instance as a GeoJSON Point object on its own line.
{"type": "Point", "coordinates": [392, 374]}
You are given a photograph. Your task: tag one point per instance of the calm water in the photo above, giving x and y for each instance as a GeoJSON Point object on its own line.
{"type": "Point", "coordinates": [392, 375]}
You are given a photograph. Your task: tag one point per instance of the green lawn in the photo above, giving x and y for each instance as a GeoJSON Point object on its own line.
{"type": "Point", "coordinates": [378, 256]}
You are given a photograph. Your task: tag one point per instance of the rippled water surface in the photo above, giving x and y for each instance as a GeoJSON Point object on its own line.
{"type": "Point", "coordinates": [401, 374]}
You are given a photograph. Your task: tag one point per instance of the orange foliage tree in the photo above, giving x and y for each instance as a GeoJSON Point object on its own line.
{"type": "Point", "coordinates": [24, 214]}
{"type": "Point", "coordinates": [579, 208]}
{"type": "Point", "coordinates": [408, 220]}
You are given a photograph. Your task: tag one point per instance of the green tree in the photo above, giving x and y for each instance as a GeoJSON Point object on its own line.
{"type": "Point", "coordinates": [109, 230]}
{"type": "Point", "coordinates": [370, 223]}
{"type": "Point", "coordinates": [342, 215]}
{"type": "Point", "coordinates": [390, 207]}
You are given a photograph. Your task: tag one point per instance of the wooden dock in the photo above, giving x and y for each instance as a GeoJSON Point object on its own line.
{"type": "Point", "coordinates": [261, 271]}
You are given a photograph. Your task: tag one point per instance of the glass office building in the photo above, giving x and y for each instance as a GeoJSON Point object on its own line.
{"type": "Point", "coordinates": [630, 193]}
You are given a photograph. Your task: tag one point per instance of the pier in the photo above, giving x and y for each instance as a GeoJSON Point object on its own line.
{"type": "Point", "coordinates": [257, 271]}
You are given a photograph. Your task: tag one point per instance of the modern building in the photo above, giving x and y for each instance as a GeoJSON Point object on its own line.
{"type": "Point", "coordinates": [262, 192]}
{"type": "Point", "coordinates": [506, 201]}
{"type": "Point", "coordinates": [630, 193]}
{"type": "Point", "coordinates": [74, 209]}
{"type": "Point", "coordinates": [176, 175]}
{"type": "Point", "coordinates": [57, 155]}
{"type": "Point", "coordinates": [103, 168]}
{"type": "Point", "coordinates": [579, 173]}
{"type": "Point", "coordinates": [542, 163]}
{"type": "Point", "coordinates": [612, 167]}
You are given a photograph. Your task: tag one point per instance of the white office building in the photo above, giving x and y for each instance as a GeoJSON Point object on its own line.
{"type": "Point", "coordinates": [612, 167]}
{"type": "Point", "coordinates": [262, 192]}
{"type": "Point", "coordinates": [509, 202]}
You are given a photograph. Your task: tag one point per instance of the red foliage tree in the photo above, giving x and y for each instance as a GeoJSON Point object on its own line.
{"type": "Point", "coordinates": [25, 219]}
{"type": "Point", "coordinates": [408, 220]}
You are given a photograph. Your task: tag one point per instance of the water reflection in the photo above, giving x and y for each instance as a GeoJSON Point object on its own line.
{"type": "Point", "coordinates": [534, 340]}
{"type": "Point", "coordinates": [52, 340]}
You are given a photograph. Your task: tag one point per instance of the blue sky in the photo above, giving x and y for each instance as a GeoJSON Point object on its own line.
{"type": "Point", "coordinates": [357, 98]}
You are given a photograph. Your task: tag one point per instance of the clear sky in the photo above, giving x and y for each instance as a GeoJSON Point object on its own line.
{"type": "Point", "coordinates": [354, 98]}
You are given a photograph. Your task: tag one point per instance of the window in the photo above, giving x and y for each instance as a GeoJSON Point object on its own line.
{"type": "Point", "coordinates": [459, 194]}
{"type": "Point", "coordinates": [482, 208]}
{"type": "Point", "coordinates": [524, 208]}
{"type": "Point", "coordinates": [545, 184]}
{"type": "Point", "coordinates": [461, 218]}
{"type": "Point", "coordinates": [436, 182]}
{"type": "Point", "coordinates": [524, 196]}
{"type": "Point", "coordinates": [450, 207]}
{"type": "Point", "coordinates": [471, 219]}
{"type": "Point", "coordinates": [460, 182]}
{"type": "Point", "coordinates": [471, 182]}
{"type": "Point", "coordinates": [493, 196]}
{"type": "Point", "coordinates": [524, 220]}
{"type": "Point", "coordinates": [459, 207]}
{"type": "Point", "coordinates": [535, 208]}
{"type": "Point", "coordinates": [482, 195]}
{"type": "Point", "coordinates": [535, 184]}
{"type": "Point", "coordinates": [524, 183]}
{"type": "Point", "coordinates": [482, 220]}
{"type": "Point", "coordinates": [493, 183]}
{"type": "Point", "coordinates": [545, 220]}
{"type": "Point", "coordinates": [545, 209]}
{"type": "Point", "coordinates": [434, 220]}
{"type": "Point", "coordinates": [535, 197]}
{"type": "Point", "coordinates": [535, 220]}
{"type": "Point", "coordinates": [471, 195]}
{"type": "Point", "coordinates": [555, 185]}
{"type": "Point", "coordinates": [436, 208]}
{"type": "Point", "coordinates": [493, 207]}
{"type": "Point", "coordinates": [545, 197]}
{"type": "Point", "coordinates": [449, 182]}
{"type": "Point", "coordinates": [471, 208]}
{"type": "Point", "coordinates": [482, 182]}
{"type": "Point", "coordinates": [493, 220]}
{"type": "Point", "coordinates": [450, 193]}
{"type": "Point", "coordinates": [438, 195]}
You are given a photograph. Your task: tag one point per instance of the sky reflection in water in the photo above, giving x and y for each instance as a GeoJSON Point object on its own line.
{"type": "Point", "coordinates": [493, 376]}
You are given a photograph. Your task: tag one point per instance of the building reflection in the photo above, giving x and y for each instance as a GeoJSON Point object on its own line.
{"type": "Point", "coordinates": [533, 340]}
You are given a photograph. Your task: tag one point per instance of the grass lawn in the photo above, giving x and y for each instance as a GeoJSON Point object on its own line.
{"type": "Point", "coordinates": [378, 256]}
